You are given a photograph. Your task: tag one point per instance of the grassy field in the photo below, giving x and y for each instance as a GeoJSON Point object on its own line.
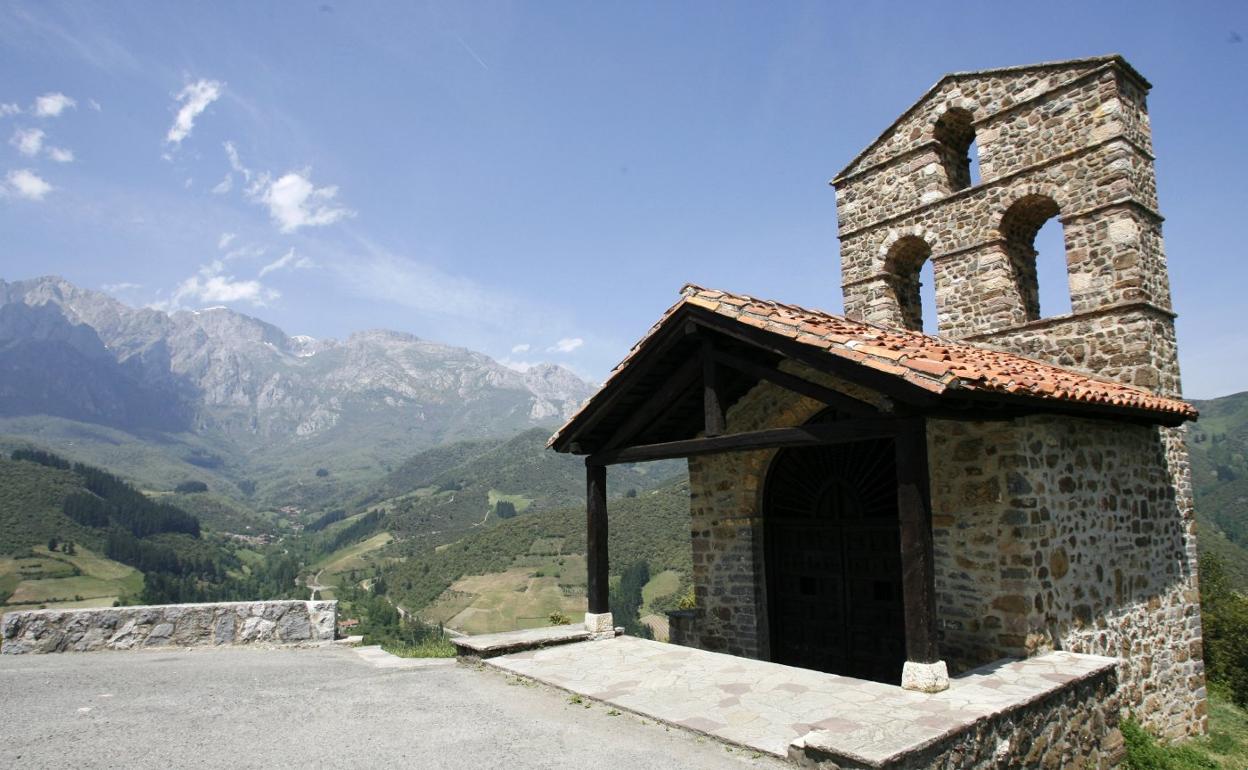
{"type": "Point", "coordinates": [663, 584]}
{"type": "Point", "coordinates": [354, 556]}
{"type": "Point", "coordinates": [84, 579]}
{"type": "Point", "coordinates": [521, 502]}
{"type": "Point", "coordinates": [521, 597]}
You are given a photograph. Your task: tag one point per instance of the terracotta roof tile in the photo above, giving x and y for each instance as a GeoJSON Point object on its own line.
{"type": "Point", "coordinates": [935, 364]}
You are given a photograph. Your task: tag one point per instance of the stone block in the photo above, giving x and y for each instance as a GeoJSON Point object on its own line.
{"type": "Point", "coordinates": [925, 677]}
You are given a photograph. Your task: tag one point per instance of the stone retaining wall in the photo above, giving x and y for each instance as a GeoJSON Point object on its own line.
{"type": "Point", "coordinates": [171, 625]}
{"type": "Point", "coordinates": [1074, 725]}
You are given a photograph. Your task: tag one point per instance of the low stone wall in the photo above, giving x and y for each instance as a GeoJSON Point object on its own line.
{"type": "Point", "coordinates": [1072, 725]}
{"type": "Point", "coordinates": [170, 625]}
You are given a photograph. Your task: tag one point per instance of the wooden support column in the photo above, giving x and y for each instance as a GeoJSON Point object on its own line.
{"type": "Point", "coordinates": [918, 576]}
{"type": "Point", "coordinates": [711, 403]}
{"type": "Point", "coordinates": [597, 584]}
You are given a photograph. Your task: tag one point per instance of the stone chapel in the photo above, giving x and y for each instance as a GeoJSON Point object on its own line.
{"type": "Point", "coordinates": [873, 501]}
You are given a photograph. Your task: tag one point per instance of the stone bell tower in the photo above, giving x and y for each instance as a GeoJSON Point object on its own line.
{"type": "Point", "coordinates": [1069, 140]}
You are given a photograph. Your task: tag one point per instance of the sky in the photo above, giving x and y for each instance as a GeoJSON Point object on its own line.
{"type": "Point", "coordinates": [537, 180]}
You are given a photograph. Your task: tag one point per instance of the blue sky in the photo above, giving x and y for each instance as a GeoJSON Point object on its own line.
{"type": "Point", "coordinates": [537, 180]}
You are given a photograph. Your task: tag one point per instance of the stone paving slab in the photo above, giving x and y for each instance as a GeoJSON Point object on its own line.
{"type": "Point", "coordinates": [766, 706]}
{"type": "Point", "coordinates": [491, 645]}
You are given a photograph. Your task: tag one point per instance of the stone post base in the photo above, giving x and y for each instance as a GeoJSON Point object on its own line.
{"type": "Point", "coordinates": [925, 677]}
{"type": "Point", "coordinates": [600, 625]}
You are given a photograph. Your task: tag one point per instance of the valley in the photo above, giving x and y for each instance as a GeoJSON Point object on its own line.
{"type": "Point", "coordinates": [391, 473]}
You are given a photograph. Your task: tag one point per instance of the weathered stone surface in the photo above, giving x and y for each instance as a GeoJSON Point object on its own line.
{"type": "Point", "coordinates": [1049, 532]}
{"type": "Point", "coordinates": [184, 625]}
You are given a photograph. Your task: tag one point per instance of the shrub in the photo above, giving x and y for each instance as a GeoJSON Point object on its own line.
{"type": "Point", "coordinates": [557, 618]}
{"type": "Point", "coordinates": [191, 487]}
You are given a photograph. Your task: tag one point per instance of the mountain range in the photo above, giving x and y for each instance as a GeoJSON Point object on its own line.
{"type": "Point", "coordinates": [219, 393]}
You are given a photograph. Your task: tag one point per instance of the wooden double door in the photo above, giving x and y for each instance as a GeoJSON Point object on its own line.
{"type": "Point", "coordinates": [833, 555]}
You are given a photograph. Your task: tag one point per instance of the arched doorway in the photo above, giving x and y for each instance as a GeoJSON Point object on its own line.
{"type": "Point", "coordinates": [833, 559]}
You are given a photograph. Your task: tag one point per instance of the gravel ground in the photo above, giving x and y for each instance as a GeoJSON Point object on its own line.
{"type": "Point", "coordinates": [323, 707]}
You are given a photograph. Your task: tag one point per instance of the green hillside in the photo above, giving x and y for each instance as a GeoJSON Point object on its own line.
{"type": "Point", "coordinates": [30, 507]}
{"type": "Point", "coordinates": [651, 527]}
{"type": "Point", "coordinates": [1219, 450]}
{"type": "Point", "coordinates": [438, 495]}
{"type": "Point", "coordinates": [72, 533]}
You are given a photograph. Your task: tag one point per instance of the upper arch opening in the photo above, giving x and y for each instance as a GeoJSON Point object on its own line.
{"type": "Point", "coordinates": [904, 265]}
{"type": "Point", "coordinates": [954, 133]}
{"type": "Point", "coordinates": [1020, 224]}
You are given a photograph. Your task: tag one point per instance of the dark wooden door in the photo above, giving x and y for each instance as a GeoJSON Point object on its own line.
{"type": "Point", "coordinates": [834, 560]}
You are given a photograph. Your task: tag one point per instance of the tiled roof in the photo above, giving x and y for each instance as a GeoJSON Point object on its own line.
{"type": "Point", "coordinates": [935, 364]}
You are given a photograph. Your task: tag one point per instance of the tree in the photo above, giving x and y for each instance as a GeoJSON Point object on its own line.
{"type": "Point", "coordinates": [52, 543]}
{"type": "Point", "coordinates": [69, 549]}
{"type": "Point", "coordinates": [322, 472]}
{"type": "Point", "coordinates": [1224, 615]}
{"type": "Point", "coordinates": [504, 509]}
{"type": "Point", "coordinates": [191, 487]}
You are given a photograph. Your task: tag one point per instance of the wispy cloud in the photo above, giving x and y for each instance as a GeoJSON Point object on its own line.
{"type": "Point", "coordinates": [236, 162]}
{"type": "Point", "coordinates": [294, 202]}
{"type": "Point", "coordinates": [225, 240]}
{"type": "Point", "coordinates": [288, 261]}
{"type": "Point", "coordinates": [521, 348]}
{"type": "Point", "coordinates": [61, 154]}
{"type": "Point", "coordinates": [225, 185]}
{"type": "Point", "coordinates": [52, 104]}
{"type": "Point", "coordinates": [25, 183]}
{"type": "Point", "coordinates": [93, 104]}
{"type": "Point", "coordinates": [212, 284]}
{"type": "Point", "coordinates": [28, 141]}
{"type": "Point", "coordinates": [123, 286]}
{"type": "Point", "coordinates": [194, 99]}
{"type": "Point", "coordinates": [566, 345]}
{"type": "Point", "coordinates": [7, 109]}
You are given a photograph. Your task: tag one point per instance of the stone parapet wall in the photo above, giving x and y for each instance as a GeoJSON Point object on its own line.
{"type": "Point", "coordinates": [172, 625]}
{"type": "Point", "coordinates": [1075, 725]}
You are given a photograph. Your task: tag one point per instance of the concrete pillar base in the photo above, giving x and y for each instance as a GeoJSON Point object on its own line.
{"type": "Point", "coordinates": [600, 624]}
{"type": "Point", "coordinates": [925, 677]}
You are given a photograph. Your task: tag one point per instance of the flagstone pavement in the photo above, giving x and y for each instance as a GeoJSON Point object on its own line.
{"type": "Point", "coordinates": [766, 706]}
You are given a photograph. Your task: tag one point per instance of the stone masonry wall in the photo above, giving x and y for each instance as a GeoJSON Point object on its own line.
{"type": "Point", "coordinates": [1075, 726]}
{"type": "Point", "coordinates": [1070, 140]}
{"type": "Point", "coordinates": [1061, 533]}
{"type": "Point", "coordinates": [725, 491]}
{"type": "Point", "coordinates": [172, 625]}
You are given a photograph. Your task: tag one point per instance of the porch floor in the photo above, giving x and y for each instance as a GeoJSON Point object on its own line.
{"type": "Point", "coordinates": [767, 706]}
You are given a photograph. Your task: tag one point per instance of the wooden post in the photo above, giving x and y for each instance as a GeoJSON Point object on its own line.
{"type": "Point", "coordinates": [597, 584]}
{"type": "Point", "coordinates": [711, 404]}
{"type": "Point", "coordinates": [918, 576]}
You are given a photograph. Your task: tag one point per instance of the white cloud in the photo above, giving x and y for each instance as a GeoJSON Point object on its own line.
{"type": "Point", "coordinates": [225, 240]}
{"type": "Point", "coordinates": [294, 202]}
{"type": "Point", "coordinates": [521, 348]}
{"type": "Point", "coordinates": [52, 104]}
{"type": "Point", "coordinates": [194, 99]}
{"type": "Point", "coordinates": [7, 109]}
{"type": "Point", "coordinates": [288, 260]}
{"type": "Point", "coordinates": [28, 141]}
{"type": "Point", "coordinates": [566, 345]}
{"type": "Point", "coordinates": [211, 284]}
{"type": "Point", "coordinates": [25, 183]}
{"type": "Point", "coordinates": [61, 154]}
{"type": "Point", "coordinates": [93, 104]}
{"type": "Point", "coordinates": [236, 162]}
{"type": "Point", "coordinates": [225, 185]}
{"type": "Point", "coordinates": [117, 288]}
